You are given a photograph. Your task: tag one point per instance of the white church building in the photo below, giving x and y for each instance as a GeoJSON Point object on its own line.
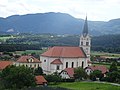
{"type": "Point", "coordinates": [58, 58]}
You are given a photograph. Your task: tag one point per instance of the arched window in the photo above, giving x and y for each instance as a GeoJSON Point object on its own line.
{"type": "Point", "coordinates": [72, 64]}
{"type": "Point", "coordinates": [82, 64]}
{"type": "Point", "coordinates": [87, 43]}
{"type": "Point", "coordinates": [81, 43]}
{"type": "Point", "coordinates": [66, 64]}
{"type": "Point", "coordinates": [58, 67]}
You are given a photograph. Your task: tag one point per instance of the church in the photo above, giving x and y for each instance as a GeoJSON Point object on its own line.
{"type": "Point", "coordinates": [58, 58]}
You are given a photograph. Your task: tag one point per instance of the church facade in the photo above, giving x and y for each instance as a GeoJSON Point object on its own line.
{"type": "Point", "coordinates": [58, 58]}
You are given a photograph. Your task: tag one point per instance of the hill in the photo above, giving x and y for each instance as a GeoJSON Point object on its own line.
{"type": "Point", "coordinates": [106, 43]}
{"type": "Point", "coordinates": [57, 23]}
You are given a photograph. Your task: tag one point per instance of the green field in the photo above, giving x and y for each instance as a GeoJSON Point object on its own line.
{"type": "Point", "coordinates": [94, 53]}
{"type": "Point", "coordinates": [107, 65]}
{"type": "Point", "coordinates": [31, 51]}
{"type": "Point", "coordinates": [5, 38]}
{"type": "Point", "coordinates": [88, 86]}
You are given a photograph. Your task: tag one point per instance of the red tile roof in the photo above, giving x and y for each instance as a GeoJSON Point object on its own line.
{"type": "Point", "coordinates": [101, 68]}
{"type": "Point", "coordinates": [70, 71]}
{"type": "Point", "coordinates": [56, 61]}
{"type": "Point", "coordinates": [4, 64]}
{"type": "Point", "coordinates": [40, 80]}
{"type": "Point", "coordinates": [25, 59]}
{"type": "Point", "coordinates": [64, 51]}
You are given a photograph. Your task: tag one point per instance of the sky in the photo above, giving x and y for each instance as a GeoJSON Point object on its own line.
{"type": "Point", "coordinates": [96, 10]}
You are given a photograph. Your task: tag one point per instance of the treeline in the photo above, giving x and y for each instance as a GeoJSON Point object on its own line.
{"type": "Point", "coordinates": [18, 47]}
{"type": "Point", "coordinates": [105, 43]}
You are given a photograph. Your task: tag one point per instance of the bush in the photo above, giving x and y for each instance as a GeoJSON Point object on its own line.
{"type": "Point", "coordinates": [17, 77]}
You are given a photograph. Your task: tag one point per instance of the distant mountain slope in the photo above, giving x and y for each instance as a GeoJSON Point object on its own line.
{"type": "Point", "coordinates": [59, 23]}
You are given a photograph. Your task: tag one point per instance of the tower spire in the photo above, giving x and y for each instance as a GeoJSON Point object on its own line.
{"type": "Point", "coordinates": [85, 29]}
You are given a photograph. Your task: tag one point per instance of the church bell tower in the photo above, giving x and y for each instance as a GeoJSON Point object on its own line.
{"type": "Point", "coordinates": [85, 40]}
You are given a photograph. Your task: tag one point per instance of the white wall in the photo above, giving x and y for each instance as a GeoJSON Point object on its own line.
{"type": "Point", "coordinates": [34, 65]}
{"type": "Point", "coordinates": [88, 71]}
{"type": "Point", "coordinates": [64, 75]}
{"type": "Point", "coordinates": [85, 47]}
{"type": "Point", "coordinates": [49, 68]}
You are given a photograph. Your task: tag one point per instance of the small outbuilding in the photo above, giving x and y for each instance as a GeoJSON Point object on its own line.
{"type": "Point", "coordinates": [40, 80]}
{"type": "Point", "coordinates": [102, 68]}
{"type": "Point", "coordinates": [4, 64]}
{"type": "Point", "coordinates": [67, 73]}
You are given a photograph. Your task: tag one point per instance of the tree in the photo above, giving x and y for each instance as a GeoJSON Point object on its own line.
{"type": "Point", "coordinates": [80, 73]}
{"type": "Point", "coordinates": [53, 78]}
{"type": "Point", "coordinates": [96, 74]}
{"type": "Point", "coordinates": [113, 67]}
{"type": "Point", "coordinates": [38, 71]}
{"type": "Point", "coordinates": [17, 77]}
{"type": "Point", "coordinates": [113, 76]}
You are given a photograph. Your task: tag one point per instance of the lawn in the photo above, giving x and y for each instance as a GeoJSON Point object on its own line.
{"type": "Point", "coordinates": [107, 65]}
{"type": "Point", "coordinates": [5, 38]}
{"type": "Point", "coordinates": [87, 86]}
{"type": "Point", "coordinates": [30, 51]}
{"type": "Point", "coordinates": [94, 53]}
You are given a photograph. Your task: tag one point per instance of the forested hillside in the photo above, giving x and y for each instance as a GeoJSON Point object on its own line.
{"type": "Point", "coordinates": [106, 43]}
{"type": "Point", "coordinates": [57, 23]}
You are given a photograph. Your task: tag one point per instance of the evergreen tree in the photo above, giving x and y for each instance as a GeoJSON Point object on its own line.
{"type": "Point", "coordinates": [17, 77]}
{"type": "Point", "coordinates": [80, 73]}
{"type": "Point", "coordinates": [113, 67]}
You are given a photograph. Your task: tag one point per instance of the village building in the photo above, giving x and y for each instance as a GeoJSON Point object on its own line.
{"type": "Point", "coordinates": [102, 68]}
{"type": "Point", "coordinates": [58, 58]}
{"type": "Point", "coordinates": [28, 61]}
{"type": "Point", "coordinates": [67, 73]}
{"type": "Point", "coordinates": [40, 80]}
{"type": "Point", "coordinates": [4, 64]}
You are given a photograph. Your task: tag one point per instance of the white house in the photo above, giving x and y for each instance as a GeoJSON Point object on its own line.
{"type": "Point", "coordinates": [101, 68]}
{"type": "Point", "coordinates": [58, 58]}
{"type": "Point", "coordinates": [28, 61]}
{"type": "Point", "coordinates": [67, 73]}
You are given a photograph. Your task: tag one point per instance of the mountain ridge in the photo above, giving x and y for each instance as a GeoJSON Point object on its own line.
{"type": "Point", "coordinates": [57, 23]}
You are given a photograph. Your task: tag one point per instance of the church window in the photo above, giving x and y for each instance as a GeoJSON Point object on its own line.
{"type": "Point", "coordinates": [72, 64]}
{"type": "Point", "coordinates": [87, 43]}
{"type": "Point", "coordinates": [81, 43]}
{"type": "Point", "coordinates": [35, 65]}
{"type": "Point", "coordinates": [82, 64]}
{"type": "Point", "coordinates": [58, 67]}
{"type": "Point", "coordinates": [44, 60]}
{"type": "Point", "coordinates": [38, 65]}
{"type": "Point", "coordinates": [66, 64]}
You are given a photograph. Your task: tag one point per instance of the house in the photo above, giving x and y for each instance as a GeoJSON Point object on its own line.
{"type": "Point", "coordinates": [4, 64]}
{"type": "Point", "coordinates": [90, 69]}
{"type": "Point", "coordinates": [67, 73]}
{"type": "Point", "coordinates": [58, 58]}
{"type": "Point", "coordinates": [28, 61]}
{"type": "Point", "coordinates": [40, 80]}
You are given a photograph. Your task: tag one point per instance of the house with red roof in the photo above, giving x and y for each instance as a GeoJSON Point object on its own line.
{"type": "Point", "coordinates": [67, 73]}
{"type": "Point", "coordinates": [28, 61]}
{"type": "Point", "coordinates": [58, 58]}
{"type": "Point", "coordinates": [40, 80]}
{"type": "Point", "coordinates": [102, 68]}
{"type": "Point", "coordinates": [4, 64]}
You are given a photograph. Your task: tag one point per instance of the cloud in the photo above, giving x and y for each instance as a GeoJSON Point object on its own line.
{"type": "Point", "coordinates": [95, 9]}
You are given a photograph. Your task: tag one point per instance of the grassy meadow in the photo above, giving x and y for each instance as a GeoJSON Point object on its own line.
{"type": "Point", "coordinates": [87, 86]}
{"type": "Point", "coordinates": [30, 51]}
{"type": "Point", "coordinates": [95, 53]}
